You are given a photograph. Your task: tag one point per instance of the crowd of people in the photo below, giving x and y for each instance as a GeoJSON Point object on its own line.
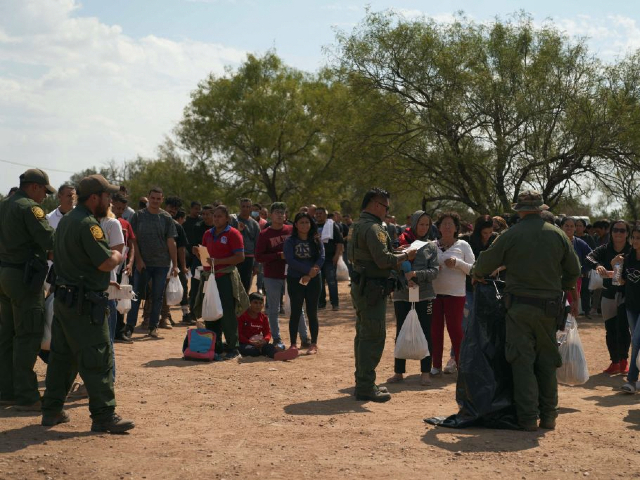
{"type": "Point", "coordinates": [262, 258]}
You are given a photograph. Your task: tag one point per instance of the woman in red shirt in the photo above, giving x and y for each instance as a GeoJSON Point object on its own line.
{"type": "Point", "coordinates": [226, 249]}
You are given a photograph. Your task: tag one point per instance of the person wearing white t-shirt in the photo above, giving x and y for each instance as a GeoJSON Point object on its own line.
{"type": "Point", "coordinates": [66, 196]}
{"type": "Point", "coordinates": [113, 233]}
{"type": "Point", "coordinates": [455, 258]}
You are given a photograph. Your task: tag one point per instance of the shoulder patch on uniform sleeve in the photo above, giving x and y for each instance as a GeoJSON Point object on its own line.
{"type": "Point", "coordinates": [37, 212]}
{"type": "Point", "coordinates": [382, 237]}
{"type": "Point", "coordinates": [97, 232]}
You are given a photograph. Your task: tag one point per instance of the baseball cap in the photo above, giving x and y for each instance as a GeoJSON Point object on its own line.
{"type": "Point", "coordinates": [35, 175]}
{"type": "Point", "coordinates": [95, 184]}
{"type": "Point", "coordinates": [530, 200]}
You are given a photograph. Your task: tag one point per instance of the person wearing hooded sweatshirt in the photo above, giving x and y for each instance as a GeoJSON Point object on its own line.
{"type": "Point", "coordinates": [421, 272]}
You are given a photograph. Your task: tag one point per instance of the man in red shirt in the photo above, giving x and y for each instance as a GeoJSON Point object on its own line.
{"type": "Point", "coordinates": [254, 333]}
{"type": "Point", "coordinates": [118, 207]}
{"type": "Point", "coordinates": [269, 253]}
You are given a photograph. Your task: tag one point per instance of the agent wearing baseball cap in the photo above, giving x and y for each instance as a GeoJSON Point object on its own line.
{"type": "Point", "coordinates": [25, 239]}
{"type": "Point", "coordinates": [79, 331]}
{"type": "Point", "coordinates": [540, 263]}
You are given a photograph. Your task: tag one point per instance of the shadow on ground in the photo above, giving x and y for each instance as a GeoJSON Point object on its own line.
{"type": "Point", "coordinates": [481, 439]}
{"type": "Point", "coordinates": [20, 438]}
{"type": "Point", "coordinates": [633, 417]}
{"type": "Point", "coordinates": [173, 362]}
{"type": "Point", "coordinates": [333, 406]}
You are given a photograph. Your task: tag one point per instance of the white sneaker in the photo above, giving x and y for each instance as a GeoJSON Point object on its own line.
{"type": "Point", "coordinates": [630, 387]}
{"type": "Point", "coordinates": [435, 371]}
{"type": "Point", "coordinates": [451, 366]}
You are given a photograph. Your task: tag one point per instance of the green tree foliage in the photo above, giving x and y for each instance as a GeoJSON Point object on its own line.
{"type": "Point", "coordinates": [478, 112]}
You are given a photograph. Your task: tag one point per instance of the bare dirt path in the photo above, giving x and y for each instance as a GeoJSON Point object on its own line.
{"type": "Point", "coordinates": [260, 418]}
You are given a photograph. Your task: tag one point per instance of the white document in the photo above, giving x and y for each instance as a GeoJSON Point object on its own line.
{"type": "Point", "coordinates": [414, 294]}
{"type": "Point", "coordinates": [203, 253]}
{"type": "Point", "coordinates": [417, 245]}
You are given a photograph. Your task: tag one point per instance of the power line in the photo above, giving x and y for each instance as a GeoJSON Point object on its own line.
{"type": "Point", "coordinates": [35, 166]}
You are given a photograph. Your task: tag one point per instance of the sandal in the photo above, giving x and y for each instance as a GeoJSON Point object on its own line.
{"type": "Point", "coordinates": [425, 379]}
{"type": "Point", "coordinates": [313, 349]}
{"type": "Point", "coordinates": [628, 388]}
{"type": "Point", "coordinates": [78, 390]}
{"type": "Point", "coordinates": [396, 378]}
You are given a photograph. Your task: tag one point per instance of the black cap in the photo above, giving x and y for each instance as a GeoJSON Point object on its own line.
{"type": "Point", "coordinates": [35, 175]}
{"type": "Point", "coordinates": [95, 184]}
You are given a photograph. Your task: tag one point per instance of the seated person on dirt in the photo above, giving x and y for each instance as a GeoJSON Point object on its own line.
{"type": "Point", "coordinates": [254, 333]}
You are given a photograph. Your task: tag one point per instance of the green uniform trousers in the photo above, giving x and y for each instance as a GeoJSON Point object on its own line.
{"type": "Point", "coordinates": [21, 330]}
{"type": "Point", "coordinates": [369, 340]}
{"type": "Point", "coordinates": [228, 324]}
{"type": "Point", "coordinates": [532, 351]}
{"type": "Point", "coordinates": [77, 346]}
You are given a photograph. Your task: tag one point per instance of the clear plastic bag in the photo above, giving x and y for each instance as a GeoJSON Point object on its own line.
{"type": "Point", "coordinates": [174, 292]}
{"type": "Point", "coordinates": [411, 343]}
{"type": "Point", "coordinates": [211, 304]}
{"type": "Point", "coordinates": [574, 370]}
{"type": "Point", "coordinates": [124, 305]}
{"type": "Point", "coordinates": [595, 280]}
{"type": "Point", "coordinates": [342, 271]}
{"type": "Point", "coordinates": [48, 321]}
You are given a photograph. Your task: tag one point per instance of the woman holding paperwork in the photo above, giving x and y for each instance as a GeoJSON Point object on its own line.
{"type": "Point", "coordinates": [225, 247]}
{"type": "Point", "coordinates": [455, 258]}
{"type": "Point", "coordinates": [419, 273]}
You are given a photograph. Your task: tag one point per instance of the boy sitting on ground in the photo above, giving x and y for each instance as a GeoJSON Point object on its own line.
{"type": "Point", "coordinates": [254, 333]}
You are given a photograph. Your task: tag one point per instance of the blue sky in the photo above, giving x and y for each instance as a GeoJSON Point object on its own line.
{"type": "Point", "coordinates": [85, 82]}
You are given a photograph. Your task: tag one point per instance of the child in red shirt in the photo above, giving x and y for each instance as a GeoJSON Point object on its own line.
{"type": "Point", "coordinates": [254, 333]}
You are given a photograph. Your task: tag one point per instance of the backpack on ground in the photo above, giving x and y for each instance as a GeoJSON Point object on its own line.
{"type": "Point", "coordinates": [199, 344]}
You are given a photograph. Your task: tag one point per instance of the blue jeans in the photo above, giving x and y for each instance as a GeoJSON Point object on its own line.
{"type": "Point", "coordinates": [273, 290]}
{"type": "Point", "coordinates": [113, 321]}
{"type": "Point", "coordinates": [158, 277]}
{"type": "Point", "coordinates": [634, 326]}
{"type": "Point", "coordinates": [329, 277]}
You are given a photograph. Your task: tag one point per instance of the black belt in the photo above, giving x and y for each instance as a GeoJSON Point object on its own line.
{"type": "Point", "coordinates": [19, 266]}
{"type": "Point", "coordinates": [533, 301]}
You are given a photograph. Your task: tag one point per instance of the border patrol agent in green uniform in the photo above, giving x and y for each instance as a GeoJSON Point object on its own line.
{"type": "Point", "coordinates": [80, 332]}
{"type": "Point", "coordinates": [540, 264]}
{"type": "Point", "coordinates": [369, 249]}
{"type": "Point", "coordinates": [25, 238]}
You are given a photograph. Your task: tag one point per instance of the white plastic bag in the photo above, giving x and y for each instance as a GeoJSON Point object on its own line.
{"type": "Point", "coordinates": [48, 321]}
{"type": "Point", "coordinates": [411, 343]}
{"type": "Point", "coordinates": [211, 304]}
{"type": "Point", "coordinates": [574, 370]}
{"type": "Point", "coordinates": [595, 280]}
{"type": "Point", "coordinates": [174, 292]}
{"type": "Point", "coordinates": [124, 305]}
{"type": "Point", "coordinates": [342, 271]}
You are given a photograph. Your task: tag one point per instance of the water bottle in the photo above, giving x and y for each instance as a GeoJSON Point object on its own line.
{"type": "Point", "coordinates": [617, 273]}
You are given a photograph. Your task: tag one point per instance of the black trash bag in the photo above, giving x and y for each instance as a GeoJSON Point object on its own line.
{"type": "Point", "coordinates": [484, 391]}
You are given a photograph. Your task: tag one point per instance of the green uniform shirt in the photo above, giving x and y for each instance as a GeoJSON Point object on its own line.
{"type": "Point", "coordinates": [370, 248]}
{"type": "Point", "coordinates": [24, 229]}
{"type": "Point", "coordinates": [540, 260]}
{"type": "Point", "coordinates": [80, 248]}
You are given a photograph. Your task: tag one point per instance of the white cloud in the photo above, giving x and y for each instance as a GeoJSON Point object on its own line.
{"type": "Point", "coordinates": [98, 94]}
{"type": "Point", "coordinates": [340, 7]}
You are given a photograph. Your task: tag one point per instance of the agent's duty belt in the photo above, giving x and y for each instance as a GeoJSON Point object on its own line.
{"type": "Point", "coordinates": [533, 301]}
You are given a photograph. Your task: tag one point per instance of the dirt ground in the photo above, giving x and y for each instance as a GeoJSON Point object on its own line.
{"type": "Point", "coordinates": [261, 418]}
